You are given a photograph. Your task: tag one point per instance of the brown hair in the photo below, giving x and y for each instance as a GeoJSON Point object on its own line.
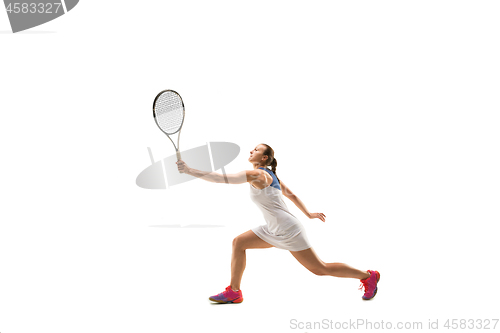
{"type": "Point", "coordinates": [271, 161]}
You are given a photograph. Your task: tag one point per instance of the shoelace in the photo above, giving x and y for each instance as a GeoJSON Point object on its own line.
{"type": "Point", "coordinates": [364, 284]}
{"type": "Point", "coordinates": [227, 291]}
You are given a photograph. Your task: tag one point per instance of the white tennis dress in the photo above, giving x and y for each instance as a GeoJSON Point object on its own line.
{"type": "Point", "coordinates": [283, 230]}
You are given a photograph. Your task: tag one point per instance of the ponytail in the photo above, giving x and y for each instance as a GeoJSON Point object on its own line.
{"type": "Point", "coordinates": [270, 157]}
{"type": "Point", "coordinates": [274, 164]}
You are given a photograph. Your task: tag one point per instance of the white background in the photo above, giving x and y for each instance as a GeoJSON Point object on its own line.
{"type": "Point", "coordinates": [383, 115]}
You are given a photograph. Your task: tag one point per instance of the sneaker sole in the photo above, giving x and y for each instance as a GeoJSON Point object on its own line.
{"type": "Point", "coordinates": [236, 301]}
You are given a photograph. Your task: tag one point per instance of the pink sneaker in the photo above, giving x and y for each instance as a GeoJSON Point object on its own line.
{"type": "Point", "coordinates": [228, 296]}
{"type": "Point", "coordinates": [370, 285]}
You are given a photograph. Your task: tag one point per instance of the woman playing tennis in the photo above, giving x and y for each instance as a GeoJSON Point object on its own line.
{"type": "Point", "coordinates": [282, 229]}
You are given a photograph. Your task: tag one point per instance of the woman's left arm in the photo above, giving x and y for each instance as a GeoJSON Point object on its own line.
{"type": "Point", "coordinates": [295, 199]}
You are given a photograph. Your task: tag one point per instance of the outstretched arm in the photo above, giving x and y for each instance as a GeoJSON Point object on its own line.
{"type": "Point", "coordinates": [290, 195]}
{"type": "Point", "coordinates": [214, 177]}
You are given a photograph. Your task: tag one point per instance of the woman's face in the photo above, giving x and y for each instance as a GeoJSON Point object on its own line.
{"type": "Point", "coordinates": [257, 155]}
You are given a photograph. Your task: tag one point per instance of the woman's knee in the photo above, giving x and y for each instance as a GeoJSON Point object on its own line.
{"type": "Point", "coordinates": [318, 270]}
{"type": "Point", "coordinates": [311, 261]}
{"type": "Point", "coordinates": [238, 243]}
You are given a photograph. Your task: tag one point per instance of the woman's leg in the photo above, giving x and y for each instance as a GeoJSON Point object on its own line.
{"type": "Point", "coordinates": [247, 240]}
{"type": "Point", "coordinates": [310, 260]}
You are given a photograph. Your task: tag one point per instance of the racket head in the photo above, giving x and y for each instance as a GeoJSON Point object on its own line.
{"type": "Point", "coordinates": [168, 111]}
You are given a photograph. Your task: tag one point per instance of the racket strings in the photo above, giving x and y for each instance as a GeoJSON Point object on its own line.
{"type": "Point", "coordinates": [169, 112]}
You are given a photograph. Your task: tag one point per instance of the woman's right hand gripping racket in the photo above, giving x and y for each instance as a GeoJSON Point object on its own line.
{"type": "Point", "coordinates": [168, 111]}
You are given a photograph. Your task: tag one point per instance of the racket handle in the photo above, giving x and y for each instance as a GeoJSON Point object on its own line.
{"type": "Point", "coordinates": [178, 155]}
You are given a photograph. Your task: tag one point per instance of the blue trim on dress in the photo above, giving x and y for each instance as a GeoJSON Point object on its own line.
{"type": "Point", "coordinates": [275, 183]}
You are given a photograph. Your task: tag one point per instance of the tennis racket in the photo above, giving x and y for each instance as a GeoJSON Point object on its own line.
{"type": "Point", "coordinates": [168, 111]}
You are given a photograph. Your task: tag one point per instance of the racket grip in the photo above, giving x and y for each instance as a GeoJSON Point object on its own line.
{"type": "Point", "coordinates": [178, 155]}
